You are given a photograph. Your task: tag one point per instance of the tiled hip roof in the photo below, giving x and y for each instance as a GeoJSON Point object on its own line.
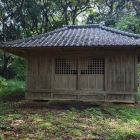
{"type": "Point", "coordinates": [82, 35]}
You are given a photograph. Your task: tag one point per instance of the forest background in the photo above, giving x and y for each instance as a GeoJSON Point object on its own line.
{"type": "Point", "coordinates": [24, 120]}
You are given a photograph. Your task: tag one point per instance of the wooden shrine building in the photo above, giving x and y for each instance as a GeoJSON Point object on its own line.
{"type": "Point", "coordinates": [86, 62]}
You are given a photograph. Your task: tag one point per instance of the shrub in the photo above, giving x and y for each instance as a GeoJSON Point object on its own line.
{"type": "Point", "coordinates": [3, 83]}
{"type": "Point", "coordinates": [139, 95]}
{"type": "Point", "coordinates": [12, 89]}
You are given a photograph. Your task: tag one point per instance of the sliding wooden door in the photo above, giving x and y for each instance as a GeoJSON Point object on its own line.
{"type": "Point", "coordinates": [91, 73]}
{"type": "Point", "coordinates": [84, 73]}
{"type": "Point", "coordinates": [65, 76]}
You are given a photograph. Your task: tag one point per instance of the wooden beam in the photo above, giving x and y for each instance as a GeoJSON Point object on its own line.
{"type": "Point", "coordinates": [20, 53]}
{"type": "Point", "coordinates": [121, 101]}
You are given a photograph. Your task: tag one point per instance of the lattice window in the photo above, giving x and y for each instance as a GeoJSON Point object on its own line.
{"type": "Point", "coordinates": [92, 66]}
{"type": "Point", "coordinates": [65, 66]}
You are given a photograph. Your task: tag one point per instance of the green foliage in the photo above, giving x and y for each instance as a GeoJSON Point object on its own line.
{"type": "Point", "coordinates": [3, 83]}
{"type": "Point", "coordinates": [129, 23]}
{"type": "Point", "coordinates": [12, 67]}
{"type": "Point", "coordinates": [91, 111]}
{"type": "Point", "coordinates": [93, 17]}
{"type": "Point", "coordinates": [49, 127]}
{"type": "Point", "coordinates": [1, 136]}
{"type": "Point", "coordinates": [6, 68]}
{"type": "Point", "coordinates": [4, 110]}
{"type": "Point", "coordinates": [46, 125]}
{"type": "Point", "coordinates": [25, 127]}
{"type": "Point", "coordinates": [74, 132]}
{"type": "Point", "coordinates": [12, 89]}
{"type": "Point", "coordinates": [20, 66]}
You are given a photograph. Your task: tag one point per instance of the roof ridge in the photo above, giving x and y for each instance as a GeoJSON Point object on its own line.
{"type": "Point", "coordinates": [83, 26]}
{"type": "Point", "coordinates": [102, 26]}
{"type": "Point", "coordinates": [125, 33]}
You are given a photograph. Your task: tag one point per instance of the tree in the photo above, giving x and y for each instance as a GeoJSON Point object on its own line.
{"type": "Point", "coordinates": [8, 10]}
{"type": "Point", "coordinates": [136, 6]}
{"type": "Point", "coordinates": [129, 23]}
{"type": "Point", "coordinates": [21, 18]}
{"type": "Point", "coordinates": [110, 11]}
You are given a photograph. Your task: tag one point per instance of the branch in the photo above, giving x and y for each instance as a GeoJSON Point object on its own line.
{"type": "Point", "coordinates": [84, 9]}
{"type": "Point", "coordinates": [16, 11]}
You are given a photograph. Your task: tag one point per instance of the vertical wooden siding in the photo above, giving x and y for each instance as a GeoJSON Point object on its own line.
{"type": "Point", "coordinates": [120, 77]}
{"type": "Point", "coordinates": [120, 72]}
{"type": "Point", "coordinates": [92, 82]}
{"type": "Point", "coordinates": [39, 72]}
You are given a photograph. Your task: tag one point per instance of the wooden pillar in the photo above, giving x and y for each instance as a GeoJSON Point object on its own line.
{"type": "Point", "coordinates": [27, 76]}
{"type": "Point", "coordinates": [52, 76]}
{"type": "Point", "coordinates": [105, 73]}
{"type": "Point", "coordinates": [78, 74]}
{"type": "Point", "coordinates": [136, 72]}
{"type": "Point", "coordinates": [136, 75]}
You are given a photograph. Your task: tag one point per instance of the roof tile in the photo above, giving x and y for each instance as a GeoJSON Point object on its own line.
{"type": "Point", "coordinates": [79, 35]}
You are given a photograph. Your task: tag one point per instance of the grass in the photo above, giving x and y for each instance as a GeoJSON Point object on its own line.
{"type": "Point", "coordinates": [68, 120]}
{"type": "Point", "coordinates": [27, 120]}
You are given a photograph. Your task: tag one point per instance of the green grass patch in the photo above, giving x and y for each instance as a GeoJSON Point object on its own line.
{"type": "Point", "coordinates": [29, 120]}
{"type": "Point", "coordinates": [92, 122]}
{"type": "Point", "coordinates": [74, 132]}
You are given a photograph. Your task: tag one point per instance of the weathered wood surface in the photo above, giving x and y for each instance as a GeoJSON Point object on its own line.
{"type": "Point", "coordinates": [82, 95]}
{"type": "Point", "coordinates": [118, 83]}
{"type": "Point", "coordinates": [64, 81]}
{"type": "Point", "coordinates": [92, 81]}
{"type": "Point", "coordinates": [39, 72]}
{"type": "Point", "coordinates": [120, 72]}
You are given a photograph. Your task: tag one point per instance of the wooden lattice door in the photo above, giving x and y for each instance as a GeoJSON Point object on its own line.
{"type": "Point", "coordinates": [91, 73]}
{"type": "Point", "coordinates": [65, 73]}
{"type": "Point", "coordinates": [79, 74]}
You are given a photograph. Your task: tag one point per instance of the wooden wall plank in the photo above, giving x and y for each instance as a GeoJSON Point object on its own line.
{"type": "Point", "coordinates": [65, 82]}
{"type": "Point", "coordinates": [120, 73]}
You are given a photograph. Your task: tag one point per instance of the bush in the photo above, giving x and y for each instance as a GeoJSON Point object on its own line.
{"type": "Point", "coordinates": [3, 83]}
{"type": "Point", "coordinates": [139, 95]}
{"type": "Point", "coordinates": [12, 89]}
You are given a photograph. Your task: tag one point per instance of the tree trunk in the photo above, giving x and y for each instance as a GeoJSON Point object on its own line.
{"type": "Point", "coordinates": [5, 57]}
{"type": "Point", "coordinates": [66, 18]}
{"type": "Point", "coordinates": [6, 60]}
{"type": "Point", "coordinates": [73, 17]}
